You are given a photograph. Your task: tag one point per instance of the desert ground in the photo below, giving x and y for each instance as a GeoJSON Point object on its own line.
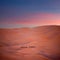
{"type": "Point", "coordinates": [37, 43]}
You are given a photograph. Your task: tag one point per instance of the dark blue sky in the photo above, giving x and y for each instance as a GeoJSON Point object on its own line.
{"type": "Point", "coordinates": [10, 9]}
{"type": "Point", "coordinates": [19, 7]}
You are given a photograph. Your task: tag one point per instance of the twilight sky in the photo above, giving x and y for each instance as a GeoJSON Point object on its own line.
{"type": "Point", "coordinates": [29, 13]}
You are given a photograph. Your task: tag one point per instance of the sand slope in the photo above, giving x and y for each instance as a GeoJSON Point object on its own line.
{"type": "Point", "coordinates": [38, 43]}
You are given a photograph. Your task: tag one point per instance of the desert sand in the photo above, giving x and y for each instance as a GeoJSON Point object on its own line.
{"type": "Point", "coordinates": [37, 43]}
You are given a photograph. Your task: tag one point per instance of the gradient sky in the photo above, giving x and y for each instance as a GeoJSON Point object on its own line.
{"type": "Point", "coordinates": [21, 13]}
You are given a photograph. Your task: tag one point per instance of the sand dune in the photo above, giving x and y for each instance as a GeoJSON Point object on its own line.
{"type": "Point", "coordinates": [38, 43]}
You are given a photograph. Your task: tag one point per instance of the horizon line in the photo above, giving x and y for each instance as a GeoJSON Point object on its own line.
{"type": "Point", "coordinates": [27, 26]}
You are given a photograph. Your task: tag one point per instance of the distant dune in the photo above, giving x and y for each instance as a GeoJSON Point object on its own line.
{"type": "Point", "coordinates": [37, 43]}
